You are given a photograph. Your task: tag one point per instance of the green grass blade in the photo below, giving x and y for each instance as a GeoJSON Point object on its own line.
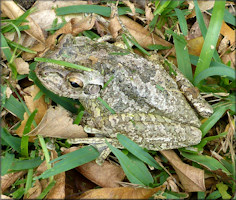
{"type": "Point", "coordinates": [101, 10]}
{"type": "Point", "coordinates": [133, 173]}
{"type": "Point", "coordinates": [6, 162]}
{"type": "Point", "coordinates": [203, 28]}
{"type": "Point", "coordinates": [29, 178]}
{"type": "Point", "coordinates": [212, 35]}
{"type": "Point", "coordinates": [63, 63]}
{"type": "Point", "coordinates": [13, 142]}
{"type": "Point", "coordinates": [79, 117]}
{"type": "Point", "coordinates": [182, 21]}
{"type": "Point", "coordinates": [46, 190]}
{"type": "Point", "coordinates": [6, 50]}
{"type": "Point", "coordinates": [229, 18]}
{"type": "Point", "coordinates": [15, 107]}
{"type": "Point", "coordinates": [211, 121]}
{"type": "Point", "coordinates": [20, 47]}
{"type": "Point", "coordinates": [213, 71]}
{"type": "Point", "coordinates": [19, 165]}
{"type": "Point", "coordinates": [214, 195]}
{"type": "Point", "coordinates": [25, 138]}
{"type": "Point", "coordinates": [161, 7]}
{"type": "Point", "coordinates": [106, 105]}
{"type": "Point", "coordinates": [182, 55]}
{"type": "Point", "coordinates": [136, 150]}
{"type": "Point", "coordinates": [70, 161]}
{"type": "Point", "coordinates": [207, 161]}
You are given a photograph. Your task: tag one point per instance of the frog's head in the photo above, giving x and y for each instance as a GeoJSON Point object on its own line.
{"type": "Point", "coordinates": [68, 82]}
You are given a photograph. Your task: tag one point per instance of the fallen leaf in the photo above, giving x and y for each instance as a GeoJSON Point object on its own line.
{"type": "Point", "coordinates": [58, 123]}
{"type": "Point", "coordinates": [148, 13]}
{"type": "Point", "coordinates": [228, 32]}
{"type": "Point", "coordinates": [195, 46]}
{"type": "Point", "coordinates": [141, 34]}
{"type": "Point", "coordinates": [121, 193]}
{"type": "Point", "coordinates": [203, 5]}
{"type": "Point", "coordinates": [8, 179]}
{"type": "Point", "coordinates": [22, 67]}
{"type": "Point", "coordinates": [192, 178]}
{"type": "Point", "coordinates": [5, 197]}
{"type": "Point", "coordinates": [12, 10]}
{"type": "Point", "coordinates": [99, 173]}
{"type": "Point", "coordinates": [130, 5]}
{"type": "Point", "coordinates": [114, 27]}
{"type": "Point", "coordinates": [32, 105]}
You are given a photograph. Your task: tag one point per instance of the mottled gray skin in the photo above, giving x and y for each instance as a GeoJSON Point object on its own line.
{"type": "Point", "coordinates": [154, 118]}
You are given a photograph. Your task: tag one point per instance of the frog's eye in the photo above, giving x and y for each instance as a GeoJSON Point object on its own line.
{"type": "Point", "coordinates": [75, 82]}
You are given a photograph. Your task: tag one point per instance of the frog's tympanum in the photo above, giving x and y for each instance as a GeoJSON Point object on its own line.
{"type": "Point", "coordinates": [150, 106]}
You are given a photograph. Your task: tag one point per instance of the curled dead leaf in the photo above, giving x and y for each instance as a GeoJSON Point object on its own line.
{"type": "Point", "coordinates": [12, 10]}
{"type": "Point", "coordinates": [22, 67]}
{"type": "Point", "coordinates": [121, 193]}
{"type": "Point", "coordinates": [58, 123]}
{"type": "Point", "coordinates": [32, 104]}
{"type": "Point", "coordinates": [8, 179]}
{"type": "Point", "coordinates": [192, 178]}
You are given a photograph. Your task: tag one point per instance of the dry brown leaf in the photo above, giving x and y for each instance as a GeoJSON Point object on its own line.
{"type": "Point", "coordinates": [195, 46]}
{"type": "Point", "coordinates": [203, 5]}
{"type": "Point", "coordinates": [114, 27]}
{"type": "Point", "coordinates": [141, 34]}
{"type": "Point", "coordinates": [58, 190]}
{"type": "Point", "coordinates": [8, 179]}
{"type": "Point", "coordinates": [32, 105]}
{"type": "Point", "coordinates": [121, 193]}
{"type": "Point", "coordinates": [99, 173]}
{"type": "Point", "coordinates": [5, 197]}
{"type": "Point", "coordinates": [130, 5]}
{"type": "Point", "coordinates": [22, 67]}
{"type": "Point", "coordinates": [148, 13]}
{"type": "Point", "coordinates": [35, 191]}
{"type": "Point", "coordinates": [192, 178]}
{"type": "Point", "coordinates": [229, 57]}
{"type": "Point", "coordinates": [79, 25]}
{"type": "Point", "coordinates": [12, 10]}
{"type": "Point", "coordinates": [58, 123]}
{"type": "Point", "coordinates": [228, 32]}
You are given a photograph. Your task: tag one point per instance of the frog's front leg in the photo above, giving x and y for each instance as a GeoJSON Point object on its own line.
{"type": "Point", "coordinates": [189, 91]}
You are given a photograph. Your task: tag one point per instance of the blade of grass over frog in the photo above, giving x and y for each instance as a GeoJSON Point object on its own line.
{"type": "Point", "coordinates": [136, 150]}
{"type": "Point", "coordinates": [101, 10]}
{"type": "Point", "coordinates": [6, 162]}
{"type": "Point", "coordinates": [106, 105]}
{"type": "Point", "coordinates": [6, 50]}
{"type": "Point", "coordinates": [79, 117]}
{"type": "Point", "coordinates": [143, 168]}
{"type": "Point", "coordinates": [182, 55]}
{"type": "Point", "coordinates": [13, 142]}
{"type": "Point", "coordinates": [25, 138]}
{"type": "Point", "coordinates": [207, 161]}
{"type": "Point", "coordinates": [211, 38]}
{"type": "Point", "coordinates": [63, 63]}
{"type": "Point", "coordinates": [20, 47]}
{"type": "Point", "coordinates": [15, 107]}
{"type": "Point", "coordinates": [159, 87]}
{"type": "Point", "coordinates": [214, 71]}
{"type": "Point", "coordinates": [106, 84]}
{"type": "Point", "coordinates": [68, 104]}
{"type": "Point", "coordinates": [124, 37]}
{"type": "Point", "coordinates": [18, 194]}
{"type": "Point", "coordinates": [203, 28]}
{"type": "Point", "coordinates": [46, 190]}
{"type": "Point", "coordinates": [90, 34]}
{"type": "Point", "coordinates": [133, 173]}
{"type": "Point", "coordinates": [182, 21]}
{"type": "Point", "coordinates": [70, 161]}
{"type": "Point", "coordinates": [31, 163]}
{"type": "Point", "coordinates": [211, 121]}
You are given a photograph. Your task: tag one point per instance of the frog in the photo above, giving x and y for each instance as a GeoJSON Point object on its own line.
{"type": "Point", "coordinates": [125, 93]}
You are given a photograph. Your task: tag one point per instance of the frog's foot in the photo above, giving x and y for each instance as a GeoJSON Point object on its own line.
{"type": "Point", "coordinates": [99, 144]}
